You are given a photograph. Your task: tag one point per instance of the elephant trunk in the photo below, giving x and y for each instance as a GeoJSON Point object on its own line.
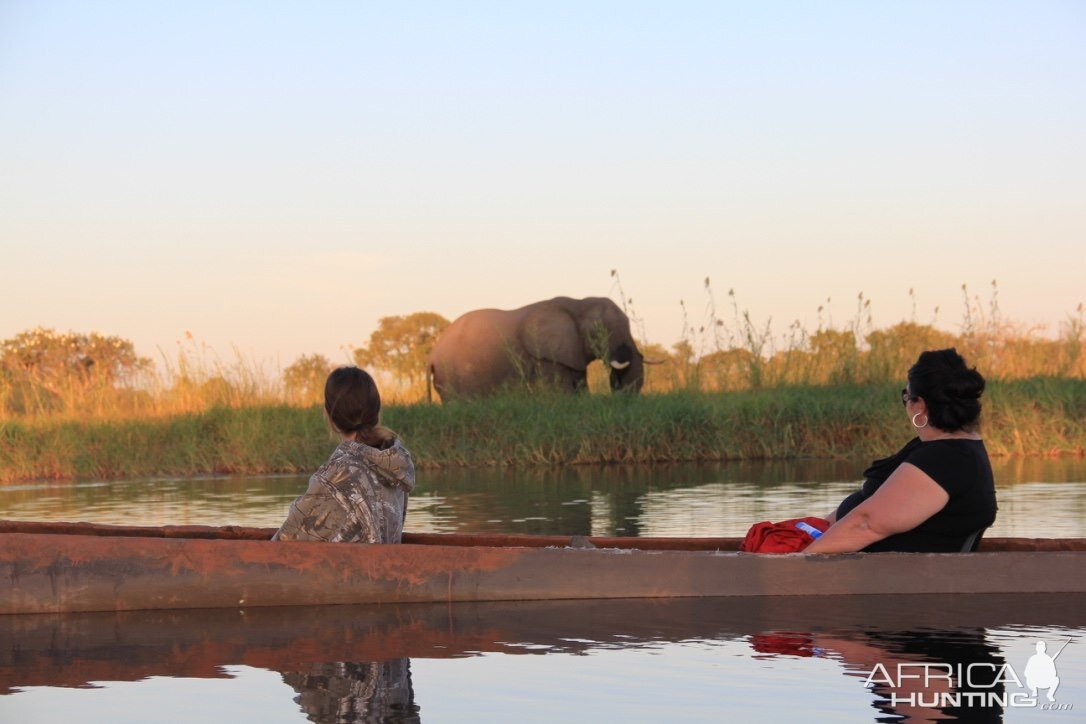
{"type": "Point", "coordinates": [627, 369]}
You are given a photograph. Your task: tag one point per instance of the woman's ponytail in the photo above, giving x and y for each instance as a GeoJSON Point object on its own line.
{"type": "Point", "coordinates": [353, 404]}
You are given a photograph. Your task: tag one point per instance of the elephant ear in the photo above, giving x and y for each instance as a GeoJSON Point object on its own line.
{"type": "Point", "coordinates": [551, 334]}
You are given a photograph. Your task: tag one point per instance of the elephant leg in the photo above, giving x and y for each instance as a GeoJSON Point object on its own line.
{"type": "Point", "coordinates": [563, 378]}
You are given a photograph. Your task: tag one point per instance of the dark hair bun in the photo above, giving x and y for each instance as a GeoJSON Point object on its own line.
{"type": "Point", "coordinates": [966, 384]}
{"type": "Point", "coordinates": [950, 388]}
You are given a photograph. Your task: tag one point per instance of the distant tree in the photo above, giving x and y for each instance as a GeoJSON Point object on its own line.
{"type": "Point", "coordinates": [835, 356]}
{"type": "Point", "coordinates": [658, 376]}
{"type": "Point", "coordinates": [304, 379]}
{"type": "Point", "coordinates": [400, 345]}
{"type": "Point", "coordinates": [654, 351]}
{"type": "Point", "coordinates": [50, 356]}
{"type": "Point", "coordinates": [41, 367]}
{"type": "Point", "coordinates": [727, 369]}
{"type": "Point", "coordinates": [894, 349]}
{"type": "Point", "coordinates": [684, 370]}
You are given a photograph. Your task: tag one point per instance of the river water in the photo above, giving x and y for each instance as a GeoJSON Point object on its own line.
{"type": "Point", "coordinates": [696, 660]}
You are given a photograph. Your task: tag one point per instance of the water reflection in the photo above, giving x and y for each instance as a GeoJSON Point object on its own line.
{"type": "Point", "coordinates": [354, 663]}
{"type": "Point", "coordinates": [934, 658]}
{"type": "Point", "coordinates": [1037, 498]}
{"type": "Point", "coordinates": [341, 692]}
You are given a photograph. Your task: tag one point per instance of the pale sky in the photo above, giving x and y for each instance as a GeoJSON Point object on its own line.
{"type": "Point", "coordinates": [280, 175]}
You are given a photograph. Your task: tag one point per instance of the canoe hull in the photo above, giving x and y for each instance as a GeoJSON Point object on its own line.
{"type": "Point", "coordinates": [48, 573]}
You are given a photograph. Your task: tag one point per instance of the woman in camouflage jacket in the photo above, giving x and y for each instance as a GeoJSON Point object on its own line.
{"type": "Point", "coordinates": [360, 494]}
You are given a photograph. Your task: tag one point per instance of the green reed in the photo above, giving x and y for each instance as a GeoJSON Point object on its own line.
{"type": "Point", "coordinates": [1042, 416]}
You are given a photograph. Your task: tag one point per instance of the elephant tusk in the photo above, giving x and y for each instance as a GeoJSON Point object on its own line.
{"type": "Point", "coordinates": [653, 361]}
{"type": "Point", "coordinates": [619, 365]}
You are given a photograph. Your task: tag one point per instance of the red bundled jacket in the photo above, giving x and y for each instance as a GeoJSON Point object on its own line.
{"type": "Point", "coordinates": [787, 643]}
{"type": "Point", "coordinates": [788, 536]}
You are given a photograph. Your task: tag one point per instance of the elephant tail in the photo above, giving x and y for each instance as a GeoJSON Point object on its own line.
{"type": "Point", "coordinates": [429, 383]}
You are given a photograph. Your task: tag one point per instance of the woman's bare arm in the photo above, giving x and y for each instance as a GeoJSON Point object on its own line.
{"type": "Point", "coordinates": [907, 498]}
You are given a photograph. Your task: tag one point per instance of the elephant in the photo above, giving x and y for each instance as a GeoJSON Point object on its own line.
{"type": "Point", "coordinates": [550, 342]}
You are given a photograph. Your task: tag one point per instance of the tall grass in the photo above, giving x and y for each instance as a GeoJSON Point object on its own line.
{"type": "Point", "coordinates": [721, 352]}
{"type": "Point", "coordinates": [732, 388]}
{"type": "Point", "coordinates": [739, 353]}
{"type": "Point", "coordinates": [256, 439]}
{"type": "Point", "coordinates": [1043, 416]}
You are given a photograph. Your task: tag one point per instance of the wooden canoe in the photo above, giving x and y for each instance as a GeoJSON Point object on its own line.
{"type": "Point", "coordinates": [67, 567]}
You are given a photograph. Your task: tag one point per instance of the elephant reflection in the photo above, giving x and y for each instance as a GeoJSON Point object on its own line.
{"type": "Point", "coordinates": [342, 692]}
{"type": "Point", "coordinates": [549, 342]}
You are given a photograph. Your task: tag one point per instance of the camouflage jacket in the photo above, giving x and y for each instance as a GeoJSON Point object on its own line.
{"type": "Point", "coordinates": [358, 496]}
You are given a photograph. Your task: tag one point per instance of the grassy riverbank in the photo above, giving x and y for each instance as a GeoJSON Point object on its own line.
{"type": "Point", "coordinates": [1043, 416]}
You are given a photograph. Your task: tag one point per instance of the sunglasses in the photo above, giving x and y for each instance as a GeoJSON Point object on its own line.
{"type": "Point", "coordinates": [906, 397]}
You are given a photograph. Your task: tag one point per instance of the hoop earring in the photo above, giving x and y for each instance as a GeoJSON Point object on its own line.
{"type": "Point", "coordinates": [920, 427]}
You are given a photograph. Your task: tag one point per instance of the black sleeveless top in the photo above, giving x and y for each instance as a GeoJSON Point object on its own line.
{"type": "Point", "coordinates": [960, 467]}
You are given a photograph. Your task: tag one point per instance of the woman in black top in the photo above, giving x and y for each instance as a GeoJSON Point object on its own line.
{"type": "Point", "coordinates": [937, 490]}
